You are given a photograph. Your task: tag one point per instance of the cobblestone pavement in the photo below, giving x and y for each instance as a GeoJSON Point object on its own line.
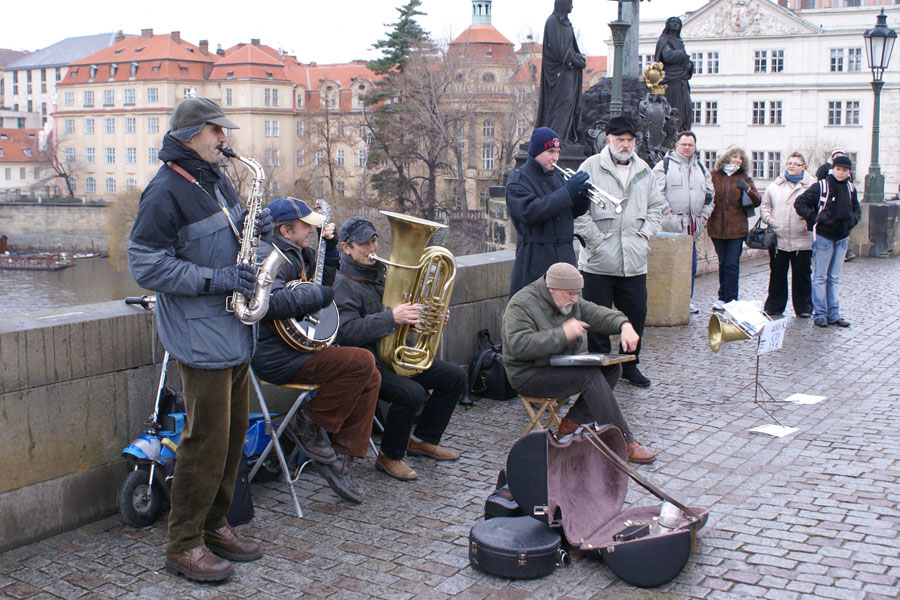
{"type": "Point", "coordinates": [811, 515]}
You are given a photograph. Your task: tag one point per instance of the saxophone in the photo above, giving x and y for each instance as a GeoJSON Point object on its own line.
{"type": "Point", "coordinates": [251, 310]}
{"type": "Point", "coordinates": [422, 276]}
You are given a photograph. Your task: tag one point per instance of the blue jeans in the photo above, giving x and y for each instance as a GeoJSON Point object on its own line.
{"type": "Point", "coordinates": [729, 253]}
{"type": "Point", "coordinates": [693, 267]}
{"type": "Point", "coordinates": [828, 257]}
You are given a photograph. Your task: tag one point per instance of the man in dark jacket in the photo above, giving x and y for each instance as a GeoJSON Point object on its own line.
{"type": "Point", "coordinates": [547, 317]}
{"type": "Point", "coordinates": [345, 404]}
{"type": "Point", "coordinates": [183, 245]}
{"type": "Point", "coordinates": [543, 207]}
{"type": "Point", "coordinates": [365, 321]}
{"type": "Point", "coordinates": [830, 209]}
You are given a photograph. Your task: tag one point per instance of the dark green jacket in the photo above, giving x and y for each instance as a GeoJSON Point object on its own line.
{"type": "Point", "coordinates": [532, 329]}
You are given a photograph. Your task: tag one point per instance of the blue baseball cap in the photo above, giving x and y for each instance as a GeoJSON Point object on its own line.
{"type": "Point", "coordinates": [288, 208]}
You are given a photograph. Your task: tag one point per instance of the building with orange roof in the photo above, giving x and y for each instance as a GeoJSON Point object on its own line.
{"type": "Point", "coordinates": [22, 169]}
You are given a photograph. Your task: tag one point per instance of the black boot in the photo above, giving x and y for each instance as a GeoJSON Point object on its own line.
{"type": "Point", "coordinates": [312, 439]}
{"type": "Point", "coordinates": [338, 477]}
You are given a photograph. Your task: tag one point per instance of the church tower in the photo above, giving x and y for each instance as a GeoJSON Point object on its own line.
{"type": "Point", "coordinates": [481, 11]}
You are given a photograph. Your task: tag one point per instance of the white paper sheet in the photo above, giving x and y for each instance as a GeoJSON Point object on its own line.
{"type": "Point", "coordinates": [774, 430]}
{"type": "Point", "coordinates": [804, 399]}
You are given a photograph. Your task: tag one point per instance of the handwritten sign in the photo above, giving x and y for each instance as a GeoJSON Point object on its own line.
{"type": "Point", "coordinates": [772, 336]}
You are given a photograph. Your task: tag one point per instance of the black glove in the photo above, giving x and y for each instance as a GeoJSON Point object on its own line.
{"type": "Point", "coordinates": [743, 185]}
{"type": "Point", "coordinates": [327, 294]}
{"type": "Point", "coordinates": [265, 225]}
{"type": "Point", "coordinates": [577, 183]}
{"type": "Point", "coordinates": [236, 278]}
{"type": "Point", "coordinates": [331, 244]}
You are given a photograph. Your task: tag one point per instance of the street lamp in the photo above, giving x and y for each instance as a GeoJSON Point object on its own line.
{"type": "Point", "coordinates": [879, 45]}
{"type": "Point", "coordinates": [619, 29]}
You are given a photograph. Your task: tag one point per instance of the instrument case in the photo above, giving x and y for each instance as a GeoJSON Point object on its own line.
{"type": "Point", "coordinates": [579, 483]}
{"type": "Point", "coordinates": [515, 547]}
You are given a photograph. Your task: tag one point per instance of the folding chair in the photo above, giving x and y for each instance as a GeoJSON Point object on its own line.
{"type": "Point", "coordinates": [542, 411]}
{"type": "Point", "coordinates": [307, 391]}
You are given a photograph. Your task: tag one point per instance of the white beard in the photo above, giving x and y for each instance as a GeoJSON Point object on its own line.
{"type": "Point", "coordinates": [567, 308]}
{"type": "Point", "coordinates": [622, 156]}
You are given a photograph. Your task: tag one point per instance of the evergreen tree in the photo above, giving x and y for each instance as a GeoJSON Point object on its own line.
{"type": "Point", "coordinates": [406, 35]}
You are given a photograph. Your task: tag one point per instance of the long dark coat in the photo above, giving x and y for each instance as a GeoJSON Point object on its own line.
{"type": "Point", "coordinates": [543, 214]}
{"type": "Point", "coordinates": [562, 66]}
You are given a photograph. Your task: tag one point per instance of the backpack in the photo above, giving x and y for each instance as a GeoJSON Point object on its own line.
{"type": "Point", "coordinates": [487, 377]}
{"type": "Point", "coordinates": [823, 200]}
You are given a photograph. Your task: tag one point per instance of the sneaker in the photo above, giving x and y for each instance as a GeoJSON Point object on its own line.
{"type": "Point", "coordinates": [841, 322]}
{"type": "Point", "coordinates": [820, 322]}
{"type": "Point", "coordinates": [804, 315]}
{"type": "Point", "coordinates": [718, 305]}
{"type": "Point", "coordinates": [635, 377]}
{"type": "Point", "coordinates": [418, 448]}
{"type": "Point", "coordinates": [312, 439]}
{"type": "Point", "coordinates": [339, 480]}
{"type": "Point", "coordinates": [694, 310]}
{"type": "Point", "coordinates": [850, 255]}
{"type": "Point", "coordinates": [398, 469]}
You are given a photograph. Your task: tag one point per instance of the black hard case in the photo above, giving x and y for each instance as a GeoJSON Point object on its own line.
{"type": "Point", "coordinates": [514, 547]}
{"type": "Point", "coordinates": [569, 483]}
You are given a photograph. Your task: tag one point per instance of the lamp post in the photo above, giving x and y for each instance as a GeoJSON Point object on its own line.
{"type": "Point", "coordinates": [619, 29]}
{"type": "Point", "coordinates": [879, 44]}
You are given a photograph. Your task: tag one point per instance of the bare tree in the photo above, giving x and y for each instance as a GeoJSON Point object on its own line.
{"type": "Point", "coordinates": [61, 161]}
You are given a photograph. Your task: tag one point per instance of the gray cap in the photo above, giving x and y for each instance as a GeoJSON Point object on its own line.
{"type": "Point", "coordinates": [192, 114]}
{"type": "Point", "coordinates": [357, 230]}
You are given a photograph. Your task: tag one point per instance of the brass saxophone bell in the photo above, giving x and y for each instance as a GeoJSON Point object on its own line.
{"type": "Point", "coordinates": [721, 331]}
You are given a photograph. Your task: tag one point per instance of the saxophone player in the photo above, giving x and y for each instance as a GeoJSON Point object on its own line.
{"type": "Point", "coordinates": [183, 246]}
{"type": "Point", "coordinates": [345, 404]}
{"type": "Point", "coordinates": [358, 292]}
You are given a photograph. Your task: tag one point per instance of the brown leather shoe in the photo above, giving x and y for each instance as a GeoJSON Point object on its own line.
{"type": "Point", "coordinates": [398, 469]}
{"type": "Point", "coordinates": [418, 448]}
{"type": "Point", "coordinates": [639, 454]}
{"type": "Point", "coordinates": [228, 544]}
{"type": "Point", "coordinates": [198, 564]}
{"type": "Point", "coordinates": [566, 426]}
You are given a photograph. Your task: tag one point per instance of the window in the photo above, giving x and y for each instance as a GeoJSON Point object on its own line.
{"type": "Point", "coordinates": [777, 61]}
{"type": "Point", "coordinates": [130, 124]}
{"type": "Point", "coordinates": [7, 173]}
{"type": "Point", "coordinates": [274, 188]}
{"type": "Point", "coordinates": [759, 113]}
{"type": "Point", "coordinates": [851, 112]}
{"type": "Point", "coordinates": [272, 157]}
{"type": "Point", "coordinates": [129, 97]}
{"type": "Point", "coordinates": [130, 156]}
{"type": "Point", "coordinates": [15, 82]}
{"type": "Point", "coordinates": [21, 172]}
{"type": "Point", "coordinates": [109, 97]}
{"type": "Point", "coordinates": [773, 165]}
{"type": "Point", "coordinates": [361, 158]}
{"type": "Point", "coordinates": [318, 157]}
{"type": "Point", "coordinates": [90, 185]}
{"type": "Point", "coordinates": [709, 159]}
{"type": "Point", "coordinates": [110, 185]}
{"type": "Point", "coordinates": [520, 127]}
{"type": "Point", "coordinates": [58, 73]}
{"type": "Point", "coordinates": [488, 78]}
{"type": "Point", "coordinates": [339, 128]}
{"type": "Point", "coordinates": [89, 126]}
{"type": "Point", "coordinates": [271, 128]}
{"type": "Point", "coordinates": [320, 189]}
{"type": "Point", "coordinates": [110, 155]}
{"type": "Point", "coordinates": [70, 155]}
{"type": "Point", "coordinates": [487, 156]}
{"type": "Point", "coordinates": [152, 94]}
{"type": "Point", "coordinates": [300, 157]}
{"type": "Point", "coordinates": [152, 124]}
{"type": "Point", "coordinates": [775, 111]}
{"type": "Point", "coordinates": [69, 126]}
{"type": "Point", "coordinates": [698, 112]}
{"type": "Point", "coordinates": [340, 158]}
{"type": "Point", "coordinates": [299, 128]}
{"type": "Point", "coordinates": [339, 188]}
{"type": "Point", "coordinates": [300, 100]}
{"type": "Point", "coordinates": [854, 59]}
{"type": "Point", "coordinates": [89, 156]}
{"type": "Point", "coordinates": [712, 113]}
{"type": "Point", "coordinates": [318, 130]}
{"type": "Point", "coordinates": [109, 125]}
{"type": "Point", "coordinates": [152, 156]}
{"type": "Point", "coordinates": [488, 129]}
{"type": "Point", "coordinates": [834, 113]}
{"type": "Point", "coordinates": [758, 165]}
{"type": "Point", "coordinates": [837, 59]}
{"type": "Point", "coordinates": [130, 183]}
{"type": "Point", "coordinates": [68, 98]}
{"type": "Point", "coordinates": [132, 71]}
{"type": "Point", "coordinates": [271, 97]}
{"type": "Point", "coordinates": [227, 96]}
{"type": "Point", "coordinates": [697, 59]}
{"type": "Point", "coordinates": [88, 97]}
{"type": "Point", "coordinates": [759, 61]}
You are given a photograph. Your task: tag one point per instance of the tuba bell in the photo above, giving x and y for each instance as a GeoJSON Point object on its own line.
{"type": "Point", "coordinates": [422, 276]}
{"type": "Point", "coordinates": [722, 330]}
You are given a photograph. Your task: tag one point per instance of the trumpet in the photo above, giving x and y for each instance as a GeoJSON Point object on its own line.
{"type": "Point", "coordinates": [597, 196]}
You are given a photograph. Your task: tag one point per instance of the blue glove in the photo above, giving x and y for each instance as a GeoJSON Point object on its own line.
{"type": "Point", "coordinates": [236, 278]}
{"type": "Point", "coordinates": [743, 185]}
{"type": "Point", "coordinates": [265, 225]}
{"type": "Point", "coordinates": [327, 294]}
{"type": "Point", "coordinates": [577, 183]}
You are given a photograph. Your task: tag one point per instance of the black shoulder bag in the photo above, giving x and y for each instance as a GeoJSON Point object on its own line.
{"type": "Point", "coordinates": [759, 237]}
{"type": "Point", "coordinates": [487, 377]}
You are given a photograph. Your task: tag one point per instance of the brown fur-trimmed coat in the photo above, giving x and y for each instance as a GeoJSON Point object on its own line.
{"type": "Point", "coordinates": [728, 220]}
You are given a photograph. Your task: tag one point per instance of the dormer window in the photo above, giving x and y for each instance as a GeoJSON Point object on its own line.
{"type": "Point", "coordinates": [112, 70]}
{"type": "Point", "coordinates": [134, 68]}
{"type": "Point", "coordinates": [92, 73]}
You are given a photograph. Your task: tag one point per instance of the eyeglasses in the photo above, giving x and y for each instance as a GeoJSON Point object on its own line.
{"type": "Point", "coordinates": [573, 295]}
{"type": "Point", "coordinates": [795, 164]}
{"type": "Point", "coordinates": [686, 145]}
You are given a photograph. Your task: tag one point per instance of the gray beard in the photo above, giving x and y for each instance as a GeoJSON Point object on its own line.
{"type": "Point", "coordinates": [622, 157]}
{"type": "Point", "coordinates": [566, 309]}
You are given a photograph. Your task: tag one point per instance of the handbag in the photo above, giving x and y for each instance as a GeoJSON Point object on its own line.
{"type": "Point", "coordinates": [487, 377]}
{"type": "Point", "coordinates": [760, 237]}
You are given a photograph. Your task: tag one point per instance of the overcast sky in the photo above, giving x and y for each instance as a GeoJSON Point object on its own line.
{"type": "Point", "coordinates": [322, 31]}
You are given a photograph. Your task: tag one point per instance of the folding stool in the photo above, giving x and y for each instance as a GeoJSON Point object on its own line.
{"type": "Point", "coordinates": [542, 411]}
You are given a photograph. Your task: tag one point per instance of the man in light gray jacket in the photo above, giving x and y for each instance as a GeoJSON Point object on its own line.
{"type": "Point", "coordinates": [616, 237]}
{"type": "Point", "coordinates": [686, 186]}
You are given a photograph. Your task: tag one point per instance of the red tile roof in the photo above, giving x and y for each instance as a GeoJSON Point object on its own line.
{"type": "Point", "coordinates": [481, 33]}
{"type": "Point", "coordinates": [17, 144]}
{"type": "Point", "coordinates": [252, 61]}
{"type": "Point", "coordinates": [595, 64]}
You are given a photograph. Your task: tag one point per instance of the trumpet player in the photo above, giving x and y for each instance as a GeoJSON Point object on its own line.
{"type": "Point", "coordinates": [183, 245]}
{"type": "Point", "coordinates": [614, 259]}
{"type": "Point", "coordinates": [543, 207]}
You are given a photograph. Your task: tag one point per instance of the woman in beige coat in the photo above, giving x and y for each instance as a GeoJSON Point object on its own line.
{"type": "Point", "coordinates": [794, 247]}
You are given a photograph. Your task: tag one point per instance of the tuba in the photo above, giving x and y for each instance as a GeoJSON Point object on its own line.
{"type": "Point", "coordinates": [722, 330]}
{"type": "Point", "coordinates": [422, 276]}
{"type": "Point", "coordinates": [251, 310]}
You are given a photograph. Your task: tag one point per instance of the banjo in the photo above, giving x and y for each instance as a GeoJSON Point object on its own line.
{"type": "Point", "coordinates": [317, 330]}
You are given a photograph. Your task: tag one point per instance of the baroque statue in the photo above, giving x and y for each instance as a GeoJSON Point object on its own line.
{"type": "Point", "coordinates": [562, 68]}
{"type": "Point", "coordinates": [678, 69]}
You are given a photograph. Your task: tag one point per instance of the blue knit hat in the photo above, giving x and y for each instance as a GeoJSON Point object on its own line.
{"type": "Point", "coordinates": [543, 138]}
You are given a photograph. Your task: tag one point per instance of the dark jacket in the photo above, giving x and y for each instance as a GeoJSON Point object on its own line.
{"type": "Point", "coordinates": [728, 220]}
{"type": "Point", "coordinates": [841, 212]}
{"type": "Point", "coordinates": [179, 238]}
{"type": "Point", "coordinates": [532, 329]}
{"type": "Point", "coordinates": [543, 214]}
{"type": "Point", "coordinates": [274, 360]}
{"type": "Point", "coordinates": [357, 291]}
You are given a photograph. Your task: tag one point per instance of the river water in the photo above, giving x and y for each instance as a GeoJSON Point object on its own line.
{"type": "Point", "coordinates": [90, 280]}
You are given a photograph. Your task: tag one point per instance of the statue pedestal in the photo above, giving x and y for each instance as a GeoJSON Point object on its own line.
{"type": "Point", "coordinates": [669, 280]}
